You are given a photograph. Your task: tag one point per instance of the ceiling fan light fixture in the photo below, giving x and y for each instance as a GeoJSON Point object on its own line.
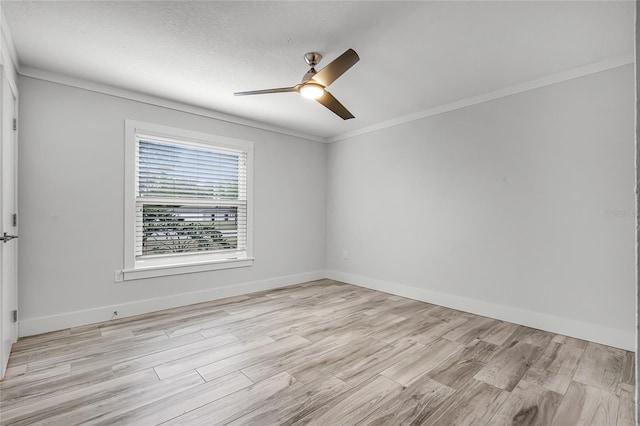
{"type": "Point", "coordinates": [311, 91]}
{"type": "Point", "coordinates": [314, 83]}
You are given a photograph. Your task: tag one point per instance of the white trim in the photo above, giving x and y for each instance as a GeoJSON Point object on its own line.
{"type": "Point", "coordinates": [565, 326]}
{"type": "Point", "coordinates": [184, 268]}
{"type": "Point", "coordinates": [31, 326]}
{"type": "Point", "coordinates": [137, 269]}
{"type": "Point", "coordinates": [117, 92]}
{"type": "Point", "coordinates": [494, 94]}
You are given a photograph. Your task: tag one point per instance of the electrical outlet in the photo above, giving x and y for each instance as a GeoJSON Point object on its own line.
{"type": "Point", "coordinates": [118, 276]}
{"type": "Point", "coordinates": [345, 254]}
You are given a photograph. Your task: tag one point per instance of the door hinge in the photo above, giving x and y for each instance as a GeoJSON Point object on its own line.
{"type": "Point", "coordinates": [15, 124]}
{"type": "Point", "coordinates": [14, 220]}
{"type": "Point", "coordinates": [14, 315]}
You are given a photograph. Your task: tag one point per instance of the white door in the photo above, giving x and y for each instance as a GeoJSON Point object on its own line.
{"type": "Point", "coordinates": [9, 208]}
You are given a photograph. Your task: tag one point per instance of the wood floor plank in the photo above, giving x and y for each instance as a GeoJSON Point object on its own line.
{"type": "Point", "coordinates": [25, 379]}
{"type": "Point", "coordinates": [475, 404]}
{"type": "Point", "coordinates": [235, 324]}
{"type": "Point", "coordinates": [153, 322]}
{"type": "Point", "coordinates": [601, 366]}
{"type": "Point", "coordinates": [321, 352]}
{"type": "Point", "coordinates": [370, 365]}
{"type": "Point", "coordinates": [339, 308]}
{"type": "Point", "coordinates": [235, 405]}
{"type": "Point", "coordinates": [392, 331]}
{"type": "Point", "coordinates": [570, 341]}
{"type": "Point", "coordinates": [53, 345]}
{"type": "Point", "coordinates": [421, 361]}
{"type": "Point", "coordinates": [506, 369]}
{"type": "Point", "coordinates": [192, 361]}
{"type": "Point", "coordinates": [459, 369]}
{"type": "Point", "coordinates": [294, 403]}
{"type": "Point", "coordinates": [289, 362]}
{"type": "Point", "coordinates": [406, 308]}
{"type": "Point", "coordinates": [67, 401]}
{"type": "Point", "coordinates": [88, 352]}
{"type": "Point", "coordinates": [355, 405]}
{"type": "Point", "coordinates": [134, 350]}
{"type": "Point", "coordinates": [379, 302]}
{"type": "Point", "coordinates": [435, 332]}
{"type": "Point", "coordinates": [132, 364]}
{"type": "Point", "coordinates": [289, 328]}
{"type": "Point", "coordinates": [172, 406]}
{"type": "Point", "coordinates": [448, 313]}
{"type": "Point", "coordinates": [331, 327]}
{"type": "Point", "coordinates": [422, 329]}
{"type": "Point", "coordinates": [272, 351]}
{"type": "Point", "coordinates": [554, 370]}
{"type": "Point", "coordinates": [470, 330]}
{"type": "Point", "coordinates": [318, 367]}
{"type": "Point", "coordinates": [413, 405]}
{"type": "Point", "coordinates": [258, 306]}
{"type": "Point", "coordinates": [123, 400]}
{"type": "Point", "coordinates": [196, 326]}
{"type": "Point", "coordinates": [528, 404]}
{"type": "Point", "coordinates": [16, 370]}
{"type": "Point", "coordinates": [367, 325]}
{"type": "Point", "coordinates": [499, 333]}
{"type": "Point", "coordinates": [626, 409]}
{"type": "Point", "coordinates": [289, 322]}
{"type": "Point", "coordinates": [629, 370]}
{"type": "Point", "coordinates": [34, 393]}
{"type": "Point", "coordinates": [416, 328]}
{"type": "Point", "coordinates": [39, 340]}
{"type": "Point", "coordinates": [531, 336]}
{"type": "Point", "coordinates": [587, 405]}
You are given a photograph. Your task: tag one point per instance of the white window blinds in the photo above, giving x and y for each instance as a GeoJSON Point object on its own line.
{"type": "Point", "coordinates": [190, 198]}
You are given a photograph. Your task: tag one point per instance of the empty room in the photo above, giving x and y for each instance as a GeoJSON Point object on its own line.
{"type": "Point", "coordinates": [317, 212]}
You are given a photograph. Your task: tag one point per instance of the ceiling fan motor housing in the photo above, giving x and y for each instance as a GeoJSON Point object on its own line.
{"type": "Point", "coordinates": [312, 58]}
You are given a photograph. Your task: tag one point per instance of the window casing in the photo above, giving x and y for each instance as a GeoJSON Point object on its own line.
{"type": "Point", "coordinates": [188, 205]}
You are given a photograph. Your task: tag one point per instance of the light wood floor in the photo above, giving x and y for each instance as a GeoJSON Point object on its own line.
{"type": "Point", "coordinates": [322, 353]}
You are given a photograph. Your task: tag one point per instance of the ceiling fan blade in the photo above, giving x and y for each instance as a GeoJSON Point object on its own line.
{"type": "Point", "coordinates": [335, 69]}
{"type": "Point", "coordinates": [334, 105]}
{"type": "Point", "coordinates": [266, 91]}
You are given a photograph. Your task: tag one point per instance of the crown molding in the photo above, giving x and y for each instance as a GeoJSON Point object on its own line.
{"type": "Point", "coordinates": [66, 80]}
{"type": "Point", "coordinates": [494, 94]}
{"type": "Point", "coordinates": [452, 106]}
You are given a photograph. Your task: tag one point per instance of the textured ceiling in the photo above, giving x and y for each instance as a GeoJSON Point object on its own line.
{"type": "Point", "coordinates": [414, 55]}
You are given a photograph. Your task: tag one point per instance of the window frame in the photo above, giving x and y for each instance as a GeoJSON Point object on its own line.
{"type": "Point", "coordinates": [181, 263]}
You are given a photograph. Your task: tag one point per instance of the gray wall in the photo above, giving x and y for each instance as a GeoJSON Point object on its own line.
{"type": "Point", "coordinates": [520, 208]}
{"type": "Point", "coordinates": [71, 209]}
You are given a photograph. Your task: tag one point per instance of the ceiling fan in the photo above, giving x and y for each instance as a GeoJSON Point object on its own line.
{"type": "Point", "coordinates": [314, 83]}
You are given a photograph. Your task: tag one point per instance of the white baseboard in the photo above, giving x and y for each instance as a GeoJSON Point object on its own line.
{"type": "Point", "coordinates": [560, 325]}
{"type": "Point", "coordinates": [31, 326]}
{"type": "Point", "coordinates": [565, 326]}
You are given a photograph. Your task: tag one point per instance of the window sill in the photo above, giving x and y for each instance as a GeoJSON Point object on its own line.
{"type": "Point", "coordinates": [184, 268]}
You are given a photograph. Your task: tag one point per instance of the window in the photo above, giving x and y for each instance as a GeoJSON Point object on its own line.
{"type": "Point", "coordinates": [188, 201]}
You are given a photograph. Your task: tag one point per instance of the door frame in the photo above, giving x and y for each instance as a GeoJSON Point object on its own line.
{"type": "Point", "coordinates": [6, 320]}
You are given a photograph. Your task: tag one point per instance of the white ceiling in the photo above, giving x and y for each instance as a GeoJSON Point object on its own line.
{"type": "Point", "coordinates": [413, 55]}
